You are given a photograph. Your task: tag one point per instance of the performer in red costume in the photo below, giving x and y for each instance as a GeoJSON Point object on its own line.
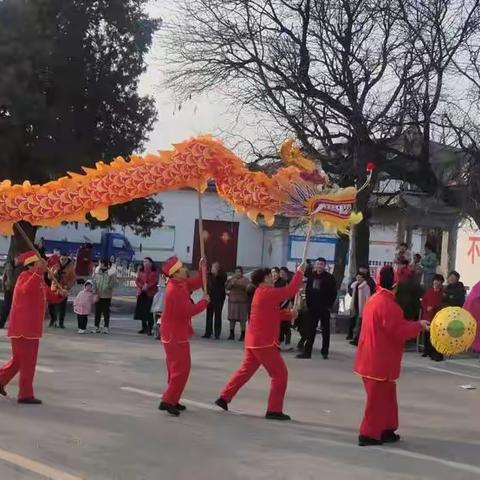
{"type": "Point", "coordinates": [261, 341]}
{"type": "Point", "coordinates": [25, 326]}
{"type": "Point", "coordinates": [176, 329]}
{"type": "Point", "coordinates": [379, 356]}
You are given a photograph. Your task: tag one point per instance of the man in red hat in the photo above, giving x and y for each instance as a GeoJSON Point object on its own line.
{"type": "Point", "coordinates": [176, 328]}
{"type": "Point", "coordinates": [379, 356]}
{"type": "Point", "coordinates": [25, 326]}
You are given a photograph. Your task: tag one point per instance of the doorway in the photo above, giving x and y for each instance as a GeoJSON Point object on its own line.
{"type": "Point", "coordinates": [221, 243]}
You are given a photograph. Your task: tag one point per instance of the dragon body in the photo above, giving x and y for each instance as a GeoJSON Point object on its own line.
{"type": "Point", "coordinates": [189, 164]}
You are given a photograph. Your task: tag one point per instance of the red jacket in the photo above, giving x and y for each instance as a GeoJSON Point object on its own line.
{"type": "Point", "coordinates": [53, 260]}
{"type": "Point", "coordinates": [84, 263]}
{"type": "Point", "coordinates": [149, 278]}
{"type": "Point", "coordinates": [266, 315]}
{"type": "Point", "coordinates": [382, 338]}
{"type": "Point", "coordinates": [30, 298]}
{"type": "Point", "coordinates": [432, 298]}
{"type": "Point", "coordinates": [178, 309]}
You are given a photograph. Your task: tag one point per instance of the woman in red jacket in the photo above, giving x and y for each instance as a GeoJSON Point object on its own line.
{"type": "Point", "coordinates": [25, 327]}
{"type": "Point", "coordinates": [147, 286]}
{"type": "Point", "coordinates": [176, 329]}
{"type": "Point", "coordinates": [261, 341]}
{"type": "Point", "coordinates": [378, 360]}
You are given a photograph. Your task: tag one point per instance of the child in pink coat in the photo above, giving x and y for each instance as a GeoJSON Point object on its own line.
{"type": "Point", "coordinates": [83, 304]}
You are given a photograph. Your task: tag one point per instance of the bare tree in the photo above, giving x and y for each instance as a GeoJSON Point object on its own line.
{"type": "Point", "coordinates": [347, 77]}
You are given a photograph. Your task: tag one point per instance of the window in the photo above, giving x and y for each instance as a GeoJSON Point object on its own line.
{"type": "Point", "coordinates": [118, 243]}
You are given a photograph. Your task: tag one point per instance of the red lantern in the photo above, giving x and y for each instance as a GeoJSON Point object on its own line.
{"type": "Point", "coordinates": [370, 167]}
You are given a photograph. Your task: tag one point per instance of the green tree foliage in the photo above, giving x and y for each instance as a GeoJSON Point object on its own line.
{"type": "Point", "coordinates": [69, 90]}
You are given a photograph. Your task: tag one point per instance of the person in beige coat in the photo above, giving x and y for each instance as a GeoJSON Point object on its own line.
{"type": "Point", "coordinates": [361, 292]}
{"type": "Point", "coordinates": [236, 288]}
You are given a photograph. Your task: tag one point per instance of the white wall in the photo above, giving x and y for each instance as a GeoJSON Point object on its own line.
{"type": "Point", "coordinates": [181, 211]}
{"type": "Point", "coordinates": [468, 255]}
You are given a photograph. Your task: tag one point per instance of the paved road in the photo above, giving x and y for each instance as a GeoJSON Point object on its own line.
{"type": "Point", "coordinates": [100, 419]}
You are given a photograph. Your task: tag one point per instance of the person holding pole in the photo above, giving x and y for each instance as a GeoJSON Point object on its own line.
{"type": "Point", "coordinates": [261, 341]}
{"type": "Point", "coordinates": [25, 327]}
{"type": "Point", "coordinates": [176, 329]}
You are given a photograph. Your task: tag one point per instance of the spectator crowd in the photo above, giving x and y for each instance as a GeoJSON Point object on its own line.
{"type": "Point", "coordinates": [421, 291]}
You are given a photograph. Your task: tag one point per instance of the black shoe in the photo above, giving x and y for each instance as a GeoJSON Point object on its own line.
{"type": "Point", "coordinates": [242, 337]}
{"type": "Point", "coordinates": [141, 332]}
{"type": "Point", "coordinates": [29, 401]}
{"type": "Point", "coordinates": [61, 326]}
{"type": "Point", "coordinates": [325, 356]}
{"type": "Point", "coordinates": [150, 334]}
{"type": "Point", "coordinates": [206, 336]}
{"type": "Point", "coordinates": [349, 337]}
{"type": "Point", "coordinates": [180, 407]}
{"type": "Point", "coordinates": [171, 409]}
{"type": "Point", "coordinates": [222, 403]}
{"type": "Point", "coordinates": [3, 392]}
{"type": "Point", "coordinates": [303, 355]}
{"type": "Point", "coordinates": [425, 355]}
{"type": "Point", "coordinates": [232, 336]}
{"type": "Point", "coordinates": [277, 416]}
{"type": "Point", "coordinates": [367, 441]}
{"type": "Point", "coordinates": [389, 436]}
{"type": "Point", "coordinates": [217, 337]}
{"type": "Point", "coordinates": [354, 343]}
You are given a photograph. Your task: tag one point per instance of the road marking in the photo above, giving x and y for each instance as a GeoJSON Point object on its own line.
{"type": "Point", "coordinates": [38, 368]}
{"type": "Point", "coordinates": [466, 467]}
{"type": "Point", "coordinates": [193, 403]}
{"type": "Point", "coordinates": [459, 374]}
{"type": "Point", "coordinates": [394, 451]}
{"type": "Point", "coordinates": [141, 392]}
{"type": "Point", "coordinates": [437, 369]}
{"type": "Point", "coordinates": [465, 363]}
{"type": "Point", "coordinates": [44, 369]}
{"type": "Point", "coordinates": [36, 467]}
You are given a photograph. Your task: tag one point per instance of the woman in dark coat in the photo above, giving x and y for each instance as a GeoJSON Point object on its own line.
{"type": "Point", "coordinates": [217, 279]}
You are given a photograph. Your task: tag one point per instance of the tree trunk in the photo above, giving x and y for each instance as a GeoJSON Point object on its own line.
{"type": "Point", "coordinates": [364, 154]}
{"type": "Point", "coordinates": [362, 232]}
{"type": "Point", "coordinates": [341, 252]}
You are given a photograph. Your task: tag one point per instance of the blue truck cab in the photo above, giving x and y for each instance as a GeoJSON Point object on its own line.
{"type": "Point", "coordinates": [111, 244]}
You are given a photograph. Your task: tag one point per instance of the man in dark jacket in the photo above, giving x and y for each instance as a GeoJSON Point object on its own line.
{"type": "Point", "coordinates": [321, 293]}
{"type": "Point", "coordinates": [217, 279]}
{"type": "Point", "coordinates": [408, 292]}
{"type": "Point", "coordinates": [454, 293]}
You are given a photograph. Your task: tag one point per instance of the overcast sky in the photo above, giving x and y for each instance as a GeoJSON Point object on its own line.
{"type": "Point", "coordinates": [202, 115]}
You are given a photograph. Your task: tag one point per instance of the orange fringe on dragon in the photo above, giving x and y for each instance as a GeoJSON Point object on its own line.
{"type": "Point", "coordinates": [297, 190]}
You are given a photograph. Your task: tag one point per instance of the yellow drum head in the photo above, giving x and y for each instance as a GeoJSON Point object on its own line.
{"type": "Point", "coordinates": [453, 330]}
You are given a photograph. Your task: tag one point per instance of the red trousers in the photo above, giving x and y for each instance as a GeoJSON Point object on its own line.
{"type": "Point", "coordinates": [24, 359]}
{"type": "Point", "coordinates": [271, 360]}
{"type": "Point", "coordinates": [381, 411]}
{"type": "Point", "coordinates": [178, 370]}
